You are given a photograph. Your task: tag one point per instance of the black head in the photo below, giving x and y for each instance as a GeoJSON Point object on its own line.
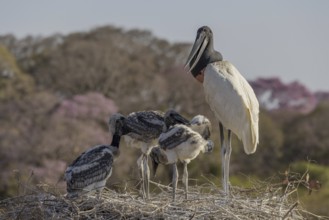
{"type": "Point", "coordinates": [116, 124]}
{"type": "Point", "coordinates": [202, 52]}
{"type": "Point", "coordinates": [172, 117]}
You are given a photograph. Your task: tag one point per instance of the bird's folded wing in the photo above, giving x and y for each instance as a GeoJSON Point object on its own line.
{"type": "Point", "coordinates": [173, 137]}
{"type": "Point", "coordinates": [90, 155]}
{"type": "Point", "coordinates": [151, 118]}
{"type": "Point", "coordinates": [244, 90]}
{"type": "Point", "coordinates": [145, 122]}
{"type": "Point", "coordinates": [92, 166]}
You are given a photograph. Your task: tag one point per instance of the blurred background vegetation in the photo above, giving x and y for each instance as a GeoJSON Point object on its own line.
{"type": "Point", "coordinates": [57, 93]}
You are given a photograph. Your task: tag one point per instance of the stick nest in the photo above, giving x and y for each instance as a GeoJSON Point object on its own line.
{"type": "Point", "coordinates": [207, 201]}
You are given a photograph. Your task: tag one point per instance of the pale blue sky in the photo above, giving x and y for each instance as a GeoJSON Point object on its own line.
{"type": "Point", "coordinates": [263, 38]}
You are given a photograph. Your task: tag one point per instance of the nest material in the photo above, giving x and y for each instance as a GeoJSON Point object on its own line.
{"type": "Point", "coordinates": [204, 202]}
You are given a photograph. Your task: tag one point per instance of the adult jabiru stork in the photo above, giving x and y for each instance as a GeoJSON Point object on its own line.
{"type": "Point", "coordinates": [229, 96]}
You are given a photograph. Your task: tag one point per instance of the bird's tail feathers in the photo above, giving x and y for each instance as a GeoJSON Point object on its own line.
{"type": "Point", "coordinates": [250, 136]}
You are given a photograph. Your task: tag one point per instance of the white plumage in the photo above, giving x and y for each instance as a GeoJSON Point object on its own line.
{"type": "Point", "coordinates": [233, 102]}
{"type": "Point", "coordinates": [179, 143]}
{"type": "Point", "coordinates": [93, 167]}
{"type": "Point", "coordinates": [202, 125]}
{"type": "Point", "coordinates": [229, 96]}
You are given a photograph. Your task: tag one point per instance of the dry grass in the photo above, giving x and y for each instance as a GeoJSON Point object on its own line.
{"type": "Point", "coordinates": [263, 201]}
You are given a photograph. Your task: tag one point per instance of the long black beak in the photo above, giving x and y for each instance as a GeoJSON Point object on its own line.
{"type": "Point", "coordinates": [181, 120]}
{"type": "Point", "coordinates": [198, 48]}
{"type": "Point", "coordinates": [172, 117]}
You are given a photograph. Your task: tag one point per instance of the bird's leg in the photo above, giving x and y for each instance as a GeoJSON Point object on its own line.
{"type": "Point", "coordinates": [223, 154]}
{"type": "Point", "coordinates": [143, 176]}
{"type": "Point", "coordinates": [98, 194]}
{"type": "Point", "coordinates": [146, 176]}
{"type": "Point", "coordinates": [185, 179]}
{"type": "Point", "coordinates": [227, 161]}
{"type": "Point", "coordinates": [174, 181]}
{"type": "Point", "coordinates": [99, 191]}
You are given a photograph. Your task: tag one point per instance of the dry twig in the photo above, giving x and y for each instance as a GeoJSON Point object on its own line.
{"type": "Point", "coordinates": [262, 201]}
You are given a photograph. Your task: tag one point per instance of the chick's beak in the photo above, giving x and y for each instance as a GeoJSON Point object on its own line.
{"type": "Point", "coordinates": [180, 119]}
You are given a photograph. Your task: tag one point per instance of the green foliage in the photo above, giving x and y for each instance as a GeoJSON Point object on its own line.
{"type": "Point", "coordinates": [123, 65]}
{"type": "Point", "coordinates": [316, 172]}
{"type": "Point", "coordinates": [13, 83]}
{"type": "Point", "coordinates": [307, 137]}
{"type": "Point", "coordinates": [269, 151]}
{"type": "Point", "coordinates": [311, 201]}
{"type": "Point", "coordinates": [241, 181]}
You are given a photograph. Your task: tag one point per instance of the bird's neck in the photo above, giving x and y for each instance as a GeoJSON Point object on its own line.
{"type": "Point", "coordinates": [212, 55]}
{"type": "Point", "coordinates": [125, 130]}
{"type": "Point", "coordinates": [116, 140]}
{"type": "Point", "coordinates": [215, 57]}
{"type": "Point", "coordinates": [209, 56]}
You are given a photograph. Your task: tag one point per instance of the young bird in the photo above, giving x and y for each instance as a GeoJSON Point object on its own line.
{"type": "Point", "coordinates": [202, 125]}
{"type": "Point", "coordinates": [93, 167]}
{"type": "Point", "coordinates": [144, 129]}
{"type": "Point", "coordinates": [179, 143]}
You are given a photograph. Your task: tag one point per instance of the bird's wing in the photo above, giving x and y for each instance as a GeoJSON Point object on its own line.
{"type": "Point", "coordinates": [174, 137]}
{"type": "Point", "coordinates": [151, 117]}
{"type": "Point", "coordinates": [91, 166]}
{"type": "Point", "coordinates": [248, 97]}
{"type": "Point", "coordinates": [239, 83]}
{"type": "Point", "coordinates": [149, 123]}
{"type": "Point", "coordinates": [233, 101]}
